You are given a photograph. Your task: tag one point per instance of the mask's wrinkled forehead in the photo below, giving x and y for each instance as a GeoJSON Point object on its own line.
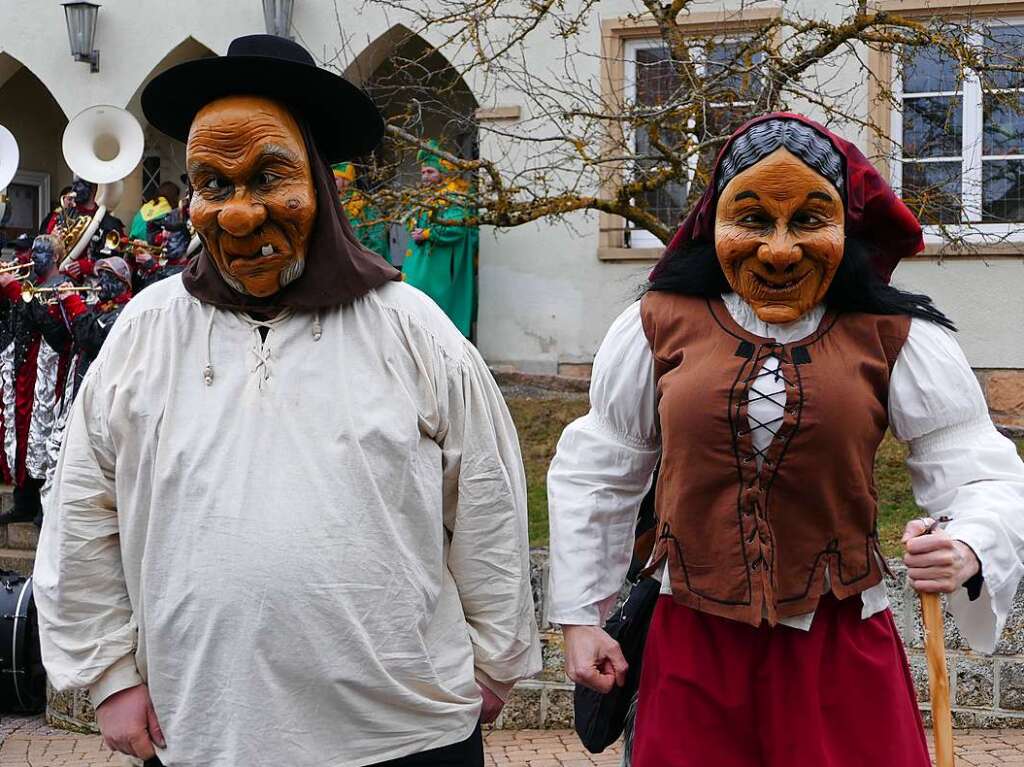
{"type": "Point", "coordinates": [763, 138]}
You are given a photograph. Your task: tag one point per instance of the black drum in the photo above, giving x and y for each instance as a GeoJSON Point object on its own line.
{"type": "Point", "coordinates": [22, 677]}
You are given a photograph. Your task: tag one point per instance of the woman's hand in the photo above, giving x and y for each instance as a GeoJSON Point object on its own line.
{"type": "Point", "coordinates": [593, 659]}
{"type": "Point", "coordinates": [935, 562]}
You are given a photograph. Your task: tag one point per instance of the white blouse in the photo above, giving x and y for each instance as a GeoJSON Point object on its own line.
{"type": "Point", "coordinates": [959, 465]}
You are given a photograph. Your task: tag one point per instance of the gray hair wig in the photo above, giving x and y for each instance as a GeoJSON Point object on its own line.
{"type": "Point", "coordinates": [765, 137]}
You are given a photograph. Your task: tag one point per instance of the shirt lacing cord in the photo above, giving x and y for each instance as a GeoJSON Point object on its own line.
{"type": "Point", "coordinates": [260, 348]}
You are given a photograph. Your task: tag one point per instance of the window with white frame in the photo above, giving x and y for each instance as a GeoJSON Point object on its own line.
{"type": "Point", "coordinates": [150, 176]}
{"type": "Point", "coordinates": [959, 136]}
{"type": "Point", "coordinates": [731, 73]}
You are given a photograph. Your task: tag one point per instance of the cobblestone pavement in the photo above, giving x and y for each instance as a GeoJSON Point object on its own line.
{"type": "Point", "coordinates": [29, 742]}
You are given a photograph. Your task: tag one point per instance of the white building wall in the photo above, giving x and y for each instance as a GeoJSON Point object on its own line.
{"type": "Point", "coordinates": [545, 298]}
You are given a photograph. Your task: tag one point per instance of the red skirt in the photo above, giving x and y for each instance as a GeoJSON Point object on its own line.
{"type": "Point", "coordinates": [720, 693]}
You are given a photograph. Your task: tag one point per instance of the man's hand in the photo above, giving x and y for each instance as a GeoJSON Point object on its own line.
{"type": "Point", "coordinates": [127, 721]}
{"type": "Point", "coordinates": [419, 235]}
{"type": "Point", "coordinates": [142, 257]}
{"type": "Point", "coordinates": [492, 705]}
{"type": "Point", "coordinates": [7, 279]}
{"type": "Point", "coordinates": [594, 659]}
{"type": "Point", "coordinates": [935, 562]}
{"type": "Point", "coordinates": [72, 269]}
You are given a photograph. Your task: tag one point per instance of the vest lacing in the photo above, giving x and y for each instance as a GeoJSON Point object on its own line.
{"type": "Point", "coordinates": [767, 381]}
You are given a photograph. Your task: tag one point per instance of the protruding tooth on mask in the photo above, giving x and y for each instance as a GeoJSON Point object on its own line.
{"type": "Point", "coordinates": [267, 250]}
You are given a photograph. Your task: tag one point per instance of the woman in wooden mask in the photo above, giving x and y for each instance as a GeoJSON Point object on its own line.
{"type": "Point", "coordinates": [762, 369]}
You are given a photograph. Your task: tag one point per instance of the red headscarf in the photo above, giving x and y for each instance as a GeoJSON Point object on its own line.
{"type": "Point", "coordinates": [874, 213]}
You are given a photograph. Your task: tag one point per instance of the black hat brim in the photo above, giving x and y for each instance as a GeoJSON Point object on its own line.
{"type": "Point", "coordinates": [343, 120]}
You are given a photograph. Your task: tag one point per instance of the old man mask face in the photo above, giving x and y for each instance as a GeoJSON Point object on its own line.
{"type": "Point", "coordinates": [779, 236]}
{"type": "Point", "coordinates": [254, 202]}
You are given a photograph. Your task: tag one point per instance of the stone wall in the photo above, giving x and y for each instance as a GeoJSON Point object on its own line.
{"type": "Point", "coordinates": [1004, 391]}
{"type": "Point", "coordinates": [986, 691]}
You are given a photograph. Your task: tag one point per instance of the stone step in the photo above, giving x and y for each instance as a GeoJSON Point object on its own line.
{"type": "Point", "coordinates": [23, 536]}
{"type": "Point", "coordinates": [18, 560]}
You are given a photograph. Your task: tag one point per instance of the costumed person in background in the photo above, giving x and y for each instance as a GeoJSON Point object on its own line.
{"type": "Point", "coordinates": [51, 219]}
{"type": "Point", "coordinates": [772, 643]}
{"type": "Point", "coordinates": [365, 217]}
{"type": "Point", "coordinates": [441, 256]}
{"type": "Point", "coordinates": [240, 425]}
{"type": "Point", "coordinates": [147, 221]}
{"type": "Point", "coordinates": [34, 366]}
{"type": "Point", "coordinates": [177, 245]}
{"type": "Point", "coordinates": [90, 325]}
{"type": "Point", "coordinates": [75, 223]}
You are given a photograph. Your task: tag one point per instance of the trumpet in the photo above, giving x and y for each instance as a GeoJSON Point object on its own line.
{"type": "Point", "coordinates": [29, 292]}
{"type": "Point", "coordinates": [17, 268]}
{"type": "Point", "coordinates": [154, 250]}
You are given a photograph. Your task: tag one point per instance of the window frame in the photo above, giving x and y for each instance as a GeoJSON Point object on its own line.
{"type": "Point", "coordinates": [698, 54]}
{"type": "Point", "coordinates": [971, 236]}
{"type": "Point", "coordinates": [616, 33]}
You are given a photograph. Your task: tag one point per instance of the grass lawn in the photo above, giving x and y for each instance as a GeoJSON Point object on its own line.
{"type": "Point", "coordinates": [540, 423]}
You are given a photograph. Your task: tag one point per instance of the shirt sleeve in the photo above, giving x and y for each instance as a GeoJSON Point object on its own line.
{"type": "Point", "coordinates": [87, 629]}
{"type": "Point", "coordinates": [963, 468]}
{"type": "Point", "coordinates": [485, 511]}
{"type": "Point", "coordinates": [600, 474]}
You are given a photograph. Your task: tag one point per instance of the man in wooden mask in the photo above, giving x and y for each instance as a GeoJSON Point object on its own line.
{"type": "Point", "coordinates": [289, 522]}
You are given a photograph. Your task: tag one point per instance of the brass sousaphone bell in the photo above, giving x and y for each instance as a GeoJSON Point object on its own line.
{"type": "Point", "coordinates": [9, 158]}
{"type": "Point", "coordinates": [103, 145]}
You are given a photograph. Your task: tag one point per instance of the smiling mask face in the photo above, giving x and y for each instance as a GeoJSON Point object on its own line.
{"type": "Point", "coordinates": [254, 203]}
{"type": "Point", "coordinates": [779, 236]}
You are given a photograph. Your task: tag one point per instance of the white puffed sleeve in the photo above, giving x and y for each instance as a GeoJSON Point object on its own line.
{"type": "Point", "coordinates": [962, 468]}
{"type": "Point", "coordinates": [600, 474]}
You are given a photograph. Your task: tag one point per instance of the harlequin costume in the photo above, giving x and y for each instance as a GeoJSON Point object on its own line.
{"type": "Point", "coordinates": [148, 217]}
{"type": "Point", "coordinates": [442, 265]}
{"type": "Point", "coordinates": [365, 217]}
{"type": "Point", "coordinates": [35, 363]}
{"type": "Point", "coordinates": [772, 643]}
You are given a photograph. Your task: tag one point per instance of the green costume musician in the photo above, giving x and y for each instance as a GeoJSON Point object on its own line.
{"type": "Point", "coordinates": [441, 254]}
{"type": "Point", "coordinates": [370, 227]}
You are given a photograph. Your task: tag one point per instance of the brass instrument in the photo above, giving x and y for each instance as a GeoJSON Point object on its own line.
{"type": "Point", "coordinates": [29, 292]}
{"type": "Point", "coordinates": [156, 251]}
{"type": "Point", "coordinates": [9, 158]}
{"type": "Point", "coordinates": [17, 268]}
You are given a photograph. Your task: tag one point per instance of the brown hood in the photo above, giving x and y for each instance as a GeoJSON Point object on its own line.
{"type": "Point", "coordinates": [338, 269]}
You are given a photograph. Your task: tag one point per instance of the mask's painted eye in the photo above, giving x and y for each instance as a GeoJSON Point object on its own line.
{"type": "Point", "coordinates": [807, 219]}
{"type": "Point", "coordinates": [266, 179]}
{"type": "Point", "coordinates": [215, 184]}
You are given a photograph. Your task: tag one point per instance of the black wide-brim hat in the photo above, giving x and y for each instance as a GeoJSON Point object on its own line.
{"type": "Point", "coordinates": [343, 120]}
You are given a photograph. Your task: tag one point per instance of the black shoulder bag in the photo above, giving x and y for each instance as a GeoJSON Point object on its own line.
{"type": "Point", "coordinates": [600, 718]}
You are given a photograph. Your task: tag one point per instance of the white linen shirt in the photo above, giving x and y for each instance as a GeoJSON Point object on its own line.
{"type": "Point", "coordinates": [309, 558]}
{"type": "Point", "coordinates": [959, 465]}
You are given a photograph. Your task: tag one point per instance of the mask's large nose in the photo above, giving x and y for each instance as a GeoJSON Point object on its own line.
{"type": "Point", "coordinates": [240, 218]}
{"type": "Point", "coordinates": [780, 254]}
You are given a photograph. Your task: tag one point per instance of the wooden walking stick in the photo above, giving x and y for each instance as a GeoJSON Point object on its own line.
{"type": "Point", "coordinates": [938, 678]}
{"type": "Point", "coordinates": [938, 675]}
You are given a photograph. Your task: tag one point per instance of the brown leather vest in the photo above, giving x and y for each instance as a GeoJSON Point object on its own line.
{"type": "Point", "coordinates": [752, 544]}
